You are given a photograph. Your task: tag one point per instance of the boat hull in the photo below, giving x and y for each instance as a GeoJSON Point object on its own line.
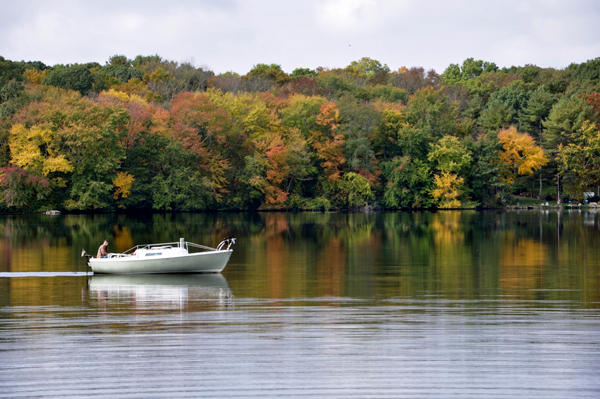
{"type": "Point", "coordinates": [201, 262]}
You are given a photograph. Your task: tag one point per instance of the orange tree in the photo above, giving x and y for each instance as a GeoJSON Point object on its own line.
{"type": "Point", "coordinates": [519, 155]}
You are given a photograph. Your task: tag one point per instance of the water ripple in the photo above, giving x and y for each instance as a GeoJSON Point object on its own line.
{"type": "Point", "coordinates": [392, 350]}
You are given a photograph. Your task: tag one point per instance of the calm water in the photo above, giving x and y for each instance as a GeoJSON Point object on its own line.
{"type": "Point", "coordinates": [379, 305]}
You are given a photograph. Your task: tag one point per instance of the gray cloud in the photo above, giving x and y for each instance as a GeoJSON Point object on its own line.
{"type": "Point", "coordinates": [235, 35]}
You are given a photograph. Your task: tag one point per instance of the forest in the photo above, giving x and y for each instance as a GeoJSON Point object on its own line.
{"type": "Point", "coordinates": [159, 135]}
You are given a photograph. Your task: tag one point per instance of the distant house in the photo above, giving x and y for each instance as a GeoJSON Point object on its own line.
{"type": "Point", "coordinates": [588, 194]}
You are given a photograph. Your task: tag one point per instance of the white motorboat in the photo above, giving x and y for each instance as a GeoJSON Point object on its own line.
{"type": "Point", "coordinates": [172, 257]}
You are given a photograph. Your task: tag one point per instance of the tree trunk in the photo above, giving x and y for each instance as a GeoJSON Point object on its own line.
{"type": "Point", "coordinates": [558, 188]}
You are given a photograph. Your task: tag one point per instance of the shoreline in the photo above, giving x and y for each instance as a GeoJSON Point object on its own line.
{"type": "Point", "coordinates": [361, 210]}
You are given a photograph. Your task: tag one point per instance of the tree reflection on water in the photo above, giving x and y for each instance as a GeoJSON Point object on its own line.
{"type": "Point", "coordinates": [528, 255]}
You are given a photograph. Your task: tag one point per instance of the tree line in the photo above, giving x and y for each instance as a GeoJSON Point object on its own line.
{"type": "Point", "coordinates": [154, 134]}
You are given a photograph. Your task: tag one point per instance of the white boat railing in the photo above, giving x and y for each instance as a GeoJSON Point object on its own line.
{"type": "Point", "coordinates": [229, 241]}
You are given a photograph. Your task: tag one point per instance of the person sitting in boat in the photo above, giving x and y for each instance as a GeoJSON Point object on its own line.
{"type": "Point", "coordinates": [102, 251]}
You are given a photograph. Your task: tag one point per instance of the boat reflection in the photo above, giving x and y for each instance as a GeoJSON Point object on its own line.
{"type": "Point", "coordinates": [166, 291]}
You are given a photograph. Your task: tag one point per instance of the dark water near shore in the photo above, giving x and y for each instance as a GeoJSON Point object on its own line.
{"type": "Point", "coordinates": [379, 305]}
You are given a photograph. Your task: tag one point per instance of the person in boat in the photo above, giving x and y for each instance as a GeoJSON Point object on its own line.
{"type": "Point", "coordinates": [103, 250]}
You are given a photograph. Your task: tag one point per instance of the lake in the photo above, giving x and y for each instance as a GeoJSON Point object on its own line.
{"type": "Point", "coordinates": [462, 304]}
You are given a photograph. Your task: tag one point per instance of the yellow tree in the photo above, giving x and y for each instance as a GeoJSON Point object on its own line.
{"type": "Point", "coordinates": [450, 157]}
{"type": "Point", "coordinates": [448, 189]}
{"type": "Point", "coordinates": [38, 167]}
{"type": "Point", "coordinates": [581, 159]}
{"type": "Point", "coordinates": [34, 76]}
{"type": "Point", "coordinates": [122, 184]}
{"type": "Point", "coordinates": [36, 150]}
{"type": "Point", "coordinates": [519, 156]}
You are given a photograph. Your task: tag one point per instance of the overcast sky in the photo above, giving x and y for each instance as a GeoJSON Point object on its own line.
{"type": "Point", "coordinates": [234, 35]}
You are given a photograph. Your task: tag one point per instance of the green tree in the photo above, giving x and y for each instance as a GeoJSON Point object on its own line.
{"type": "Point", "coordinates": [586, 70]}
{"type": "Point", "coordinates": [93, 135]}
{"type": "Point", "coordinates": [145, 160]}
{"type": "Point", "coordinates": [495, 117]}
{"type": "Point", "coordinates": [121, 72]}
{"type": "Point", "coordinates": [452, 74]}
{"type": "Point", "coordinates": [408, 183]}
{"type": "Point", "coordinates": [10, 70]}
{"type": "Point", "coordinates": [73, 77]}
{"type": "Point", "coordinates": [334, 84]}
{"type": "Point", "coordinates": [177, 184]}
{"type": "Point", "coordinates": [386, 140]}
{"type": "Point", "coordinates": [536, 111]}
{"type": "Point", "coordinates": [11, 90]}
{"type": "Point", "coordinates": [470, 69]}
{"type": "Point", "coordinates": [119, 60]}
{"type": "Point", "coordinates": [147, 63]}
{"type": "Point", "coordinates": [269, 71]}
{"type": "Point", "coordinates": [581, 158]}
{"type": "Point", "coordinates": [299, 161]}
{"type": "Point", "coordinates": [5, 126]}
{"type": "Point", "coordinates": [358, 190]}
{"type": "Point", "coordinates": [488, 83]}
{"type": "Point", "coordinates": [556, 81]}
{"type": "Point", "coordinates": [369, 66]}
{"type": "Point", "coordinates": [484, 175]}
{"type": "Point", "coordinates": [359, 122]}
{"type": "Point", "coordinates": [430, 110]}
{"type": "Point", "coordinates": [302, 113]}
{"type": "Point", "coordinates": [387, 93]}
{"type": "Point", "coordinates": [513, 97]}
{"type": "Point", "coordinates": [566, 117]}
{"type": "Point", "coordinates": [449, 155]}
{"type": "Point", "coordinates": [296, 73]}
{"type": "Point", "coordinates": [529, 73]}
{"type": "Point", "coordinates": [14, 96]}
{"type": "Point", "coordinates": [414, 141]}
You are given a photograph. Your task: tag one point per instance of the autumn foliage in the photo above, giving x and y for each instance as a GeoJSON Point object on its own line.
{"type": "Point", "coordinates": [154, 134]}
{"type": "Point", "coordinates": [520, 155]}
